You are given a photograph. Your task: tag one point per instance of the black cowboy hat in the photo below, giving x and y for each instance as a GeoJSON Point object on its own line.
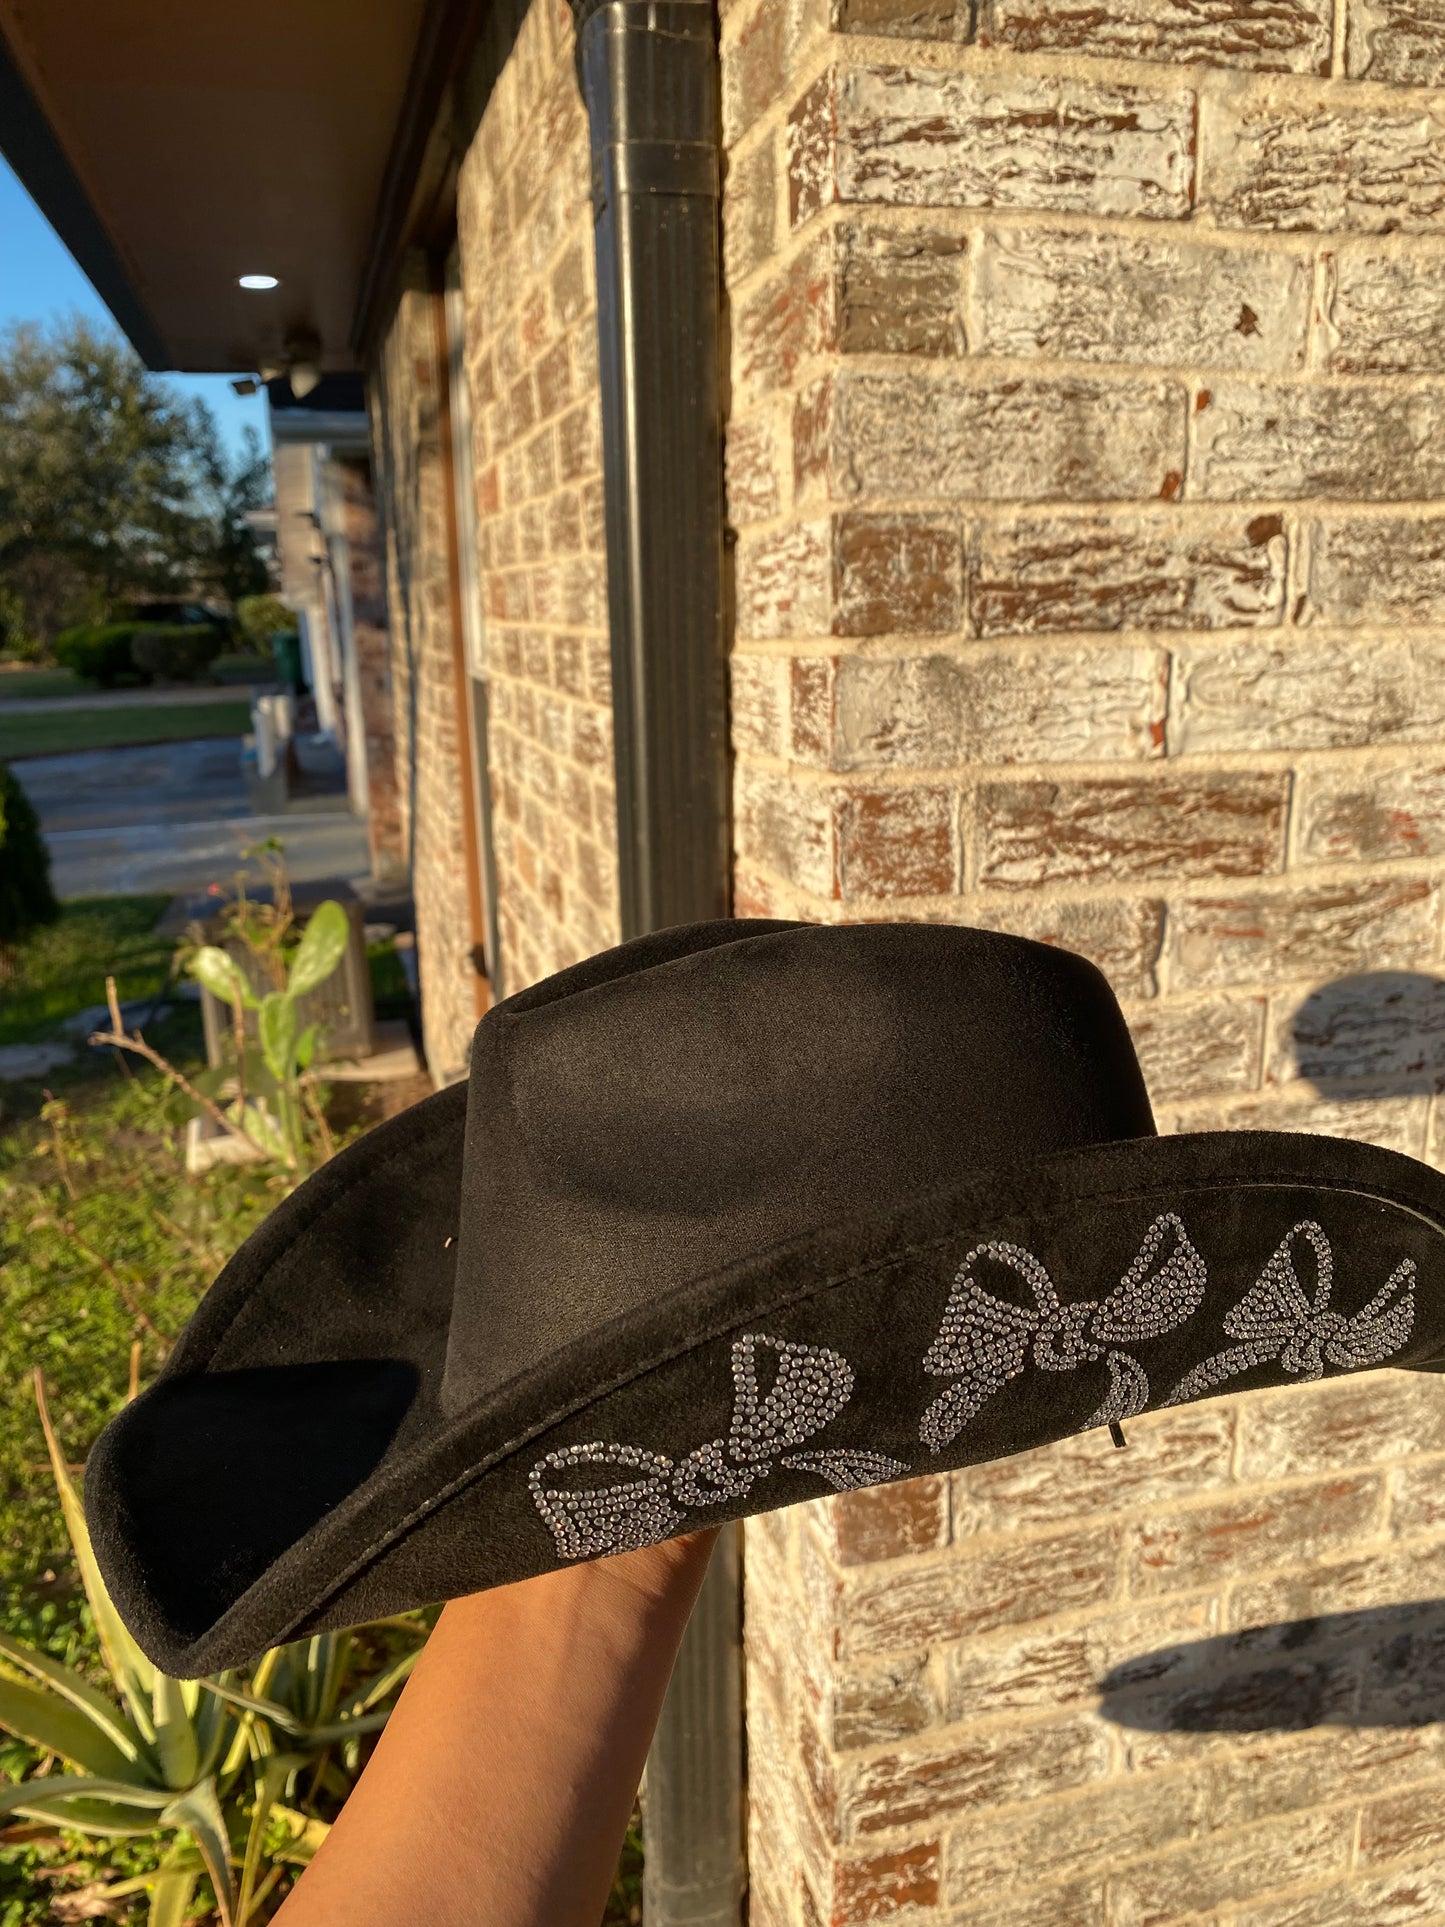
{"type": "Point", "coordinates": [728, 1218]}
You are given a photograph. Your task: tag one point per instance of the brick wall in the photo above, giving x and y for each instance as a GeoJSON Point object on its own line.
{"type": "Point", "coordinates": [525, 222]}
{"type": "Point", "coordinates": [366, 552]}
{"type": "Point", "coordinates": [1087, 463]}
{"type": "Point", "coordinates": [431, 779]}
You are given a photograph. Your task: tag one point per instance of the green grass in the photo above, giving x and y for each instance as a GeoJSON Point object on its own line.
{"type": "Point", "coordinates": [53, 732]}
{"type": "Point", "coordinates": [31, 684]}
{"type": "Point", "coordinates": [62, 968]}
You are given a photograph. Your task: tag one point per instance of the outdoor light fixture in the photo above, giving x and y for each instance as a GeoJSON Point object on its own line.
{"type": "Point", "coordinates": [259, 281]}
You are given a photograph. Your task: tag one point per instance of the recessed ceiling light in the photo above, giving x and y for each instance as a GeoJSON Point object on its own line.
{"type": "Point", "coordinates": [261, 281]}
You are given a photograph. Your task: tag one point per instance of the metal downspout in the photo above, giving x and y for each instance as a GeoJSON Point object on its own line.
{"type": "Point", "coordinates": [649, 76]}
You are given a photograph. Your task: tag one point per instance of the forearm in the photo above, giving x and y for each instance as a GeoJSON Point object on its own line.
{"type": "Point", "coordinates": [499, 1793]}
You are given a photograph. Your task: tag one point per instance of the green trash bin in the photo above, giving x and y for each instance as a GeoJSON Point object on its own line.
{"type": "Point", "coordinates": [286, 650]}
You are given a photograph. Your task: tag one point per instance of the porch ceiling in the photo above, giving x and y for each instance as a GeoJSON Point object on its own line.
{"type": "Point", "coordinates": [178, 146]}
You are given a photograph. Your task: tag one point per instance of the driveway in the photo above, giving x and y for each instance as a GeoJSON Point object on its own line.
{"type": "Point", "coordinates": [173, 816]}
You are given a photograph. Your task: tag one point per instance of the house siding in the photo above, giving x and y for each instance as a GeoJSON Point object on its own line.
{"type": "Point", "coordinates": [525, 227]}
{"type": "Point", "coordinates": [431, 777]}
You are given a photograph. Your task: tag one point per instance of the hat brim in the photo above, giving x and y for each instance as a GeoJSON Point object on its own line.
{"type": "Point", "coordinates": [292, 1470]}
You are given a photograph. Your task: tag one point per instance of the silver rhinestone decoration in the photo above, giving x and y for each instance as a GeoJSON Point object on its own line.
{"type": "Point", "coordinates": [809, 1386]}
{"type": "Point", "coordinates": [847, 1471]}
{"type": "Point", "coordinates": [985, 1341]}
{"type": "Point", "coordinates": [588, 1522]}
{"type": "Point", "coordinates": [1277, 1319]}
{"type": "Point", "coordinates": [704, 1477]}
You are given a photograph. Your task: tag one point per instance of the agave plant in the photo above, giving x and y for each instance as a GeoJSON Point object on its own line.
{"type": "Point", "coordinates": [217, 1764]}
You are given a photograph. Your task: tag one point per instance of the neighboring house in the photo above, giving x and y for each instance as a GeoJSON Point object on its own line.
{"type": "Point", "coordinates": [1081, 572]}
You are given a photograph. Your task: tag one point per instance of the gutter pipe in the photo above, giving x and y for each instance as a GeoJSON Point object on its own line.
{"type": "Point", "coordinates": [649, 75]}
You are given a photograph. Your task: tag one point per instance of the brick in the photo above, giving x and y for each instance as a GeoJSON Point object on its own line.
{"type": "Point", "coordinates": [750, 211]}
{"type": "Point", "coordinates": [1007, 1583]}
{"type": "Point", "coordinates": [754, 67]}
{"type": "Point", "coordinates": [1079, 1904]}
{"type": "Point", "coordinates": [1172, 1455]}
{"type": "Point", "coordinates": [889, 1522]}
{"type": "Point", "coordinates": [976, 1771]}
{"type": "Point", "coordinates": [1382, 1027]}
{"type": "Point", "coordinates": [753, 491]}
{"type": "Point", "coordinates": [1028, 834]}
{"type": "Point", "coordinates": [1276, 162]}
{"type": "Point", "coordinates": [1398, 1123]}
{"type": "Point", "coordinates": [1061, 1839]}
{"type": "Point", "coordinates": [1122, 936]}
{"type": "Point", "coordinates": [905, 19]}
{"type": "Point", "coordinates": [813, 688]}
{"type": "Point", "coordinates": [784, 582]}
{"type": "Point", "coordinates": [1199, 1546]}
{"type": "Point", "coordinates": [1112, 298]}
{"type": "Point", "coordinates": [1384, 314]}
{"type": "Point", "coordinates": [897, 843]}
{"type": "Point", "coordinates": [897, 574]}
{"type": "Point", "coordinates": [1313, 1429]}
{"type": "Point", "coordinates": [1282, 1775]}
{"type": "Point", "coordinates": [1351, 441]}
{"type": "Point", "coordinates": [1191, 1050]}
{"type": "Point", "coordinates": [1217, 942]}
{"type": "Point", "coordinates": [899, 290]}
{"type": "Point", "coordinates": [1403, 1825]}
{"type": "Point", "coordinates": [1369, 1581]}
{"type": "Point", "coordinates": [790, 317]}
{"type": "Point", "coordinates": [921, 137]}
{"type": "Point", "coordinates": [1309, 693]}
{"type": "Point", "coordinates": [1417, 1498]}
{"type": "Point", "coordinates": [1290, 37]}
{"type": "Point", "coordinates": [882, 1707]}
{"type": "Point", "coordinates": [1035, 574]}
{"type": "Point", "coordinates": [983, 706]}
{"type": "Point", "coordinates": [1239, 1867]}
{"type": "Point", "coordinates": [881, 1885]}
{"type": "Point", "coordinates": [1047, 1670]}
{"type": "Point", "coordinates": [759, 706]}
{"type": "Point", "coordinates": [785, 826]}
{"type": "Point", "coordinates": [1401, 42]}
{"type": "Point", "coordinates": [1386, 569]}
{"type": "Point", "coordinates": [975, 435]}
{"type": "Point", "coordinates": [1416, 1895]}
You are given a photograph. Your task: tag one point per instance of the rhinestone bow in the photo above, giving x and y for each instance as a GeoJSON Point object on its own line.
{"type": "Point", "coordinates": [1278, 1319]}
{"type": "Point", "coordinates": [985, 1341]}
{"type": "Point", "coordinates": [808, 1387]}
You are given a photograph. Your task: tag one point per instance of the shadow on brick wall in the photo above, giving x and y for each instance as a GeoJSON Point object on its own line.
{"type": "Point", "coordinates": [1381, 1034]}
{"type": "Point", "coordinates": [1384, 1666]}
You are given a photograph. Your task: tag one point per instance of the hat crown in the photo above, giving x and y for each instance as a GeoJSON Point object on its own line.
{"type": "Point", "coordinates": [669, 1106]}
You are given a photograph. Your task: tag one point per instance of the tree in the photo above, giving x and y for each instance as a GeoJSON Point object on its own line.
{"type": "Point", "coordinates": [113, 484]}
{"type": "Point", "coordinates": [26, 898]}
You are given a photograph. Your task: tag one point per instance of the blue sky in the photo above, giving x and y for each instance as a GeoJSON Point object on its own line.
{"type": "Point", "coordinates": [39, 279]}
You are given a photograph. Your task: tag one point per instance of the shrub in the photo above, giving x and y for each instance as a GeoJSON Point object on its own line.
{"type": "Point", "coordinates": [98, 651]}
{"type": "Point", "coordinates": [259, 617]}
{"type": "Point", "coordinates": [177, 652]}
{"type": "Point", "coordinates": [26, 898]}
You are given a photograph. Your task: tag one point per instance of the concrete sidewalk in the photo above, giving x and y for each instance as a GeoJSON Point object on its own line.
{"type": "Point", "coordinates": [174, 816]}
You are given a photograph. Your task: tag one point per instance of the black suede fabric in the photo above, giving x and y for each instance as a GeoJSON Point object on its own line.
{"type": "Point", "coordinates": [737, 1215]}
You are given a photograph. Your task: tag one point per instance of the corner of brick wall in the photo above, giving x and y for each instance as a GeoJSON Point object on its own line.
{"type": "Point", "coordinates": [525, 220]}
{"type": "Point", "coordinates": [1087, 467]}
{"type": "Point", "coordinates": [432, 784]}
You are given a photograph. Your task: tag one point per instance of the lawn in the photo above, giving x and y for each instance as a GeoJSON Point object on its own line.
{"type": "Point", "coordinates": [32, 684]}
{"type": "Point", "coordinates": [52, 732]}
{"type": "Point", "coordinates": [63, 968]}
